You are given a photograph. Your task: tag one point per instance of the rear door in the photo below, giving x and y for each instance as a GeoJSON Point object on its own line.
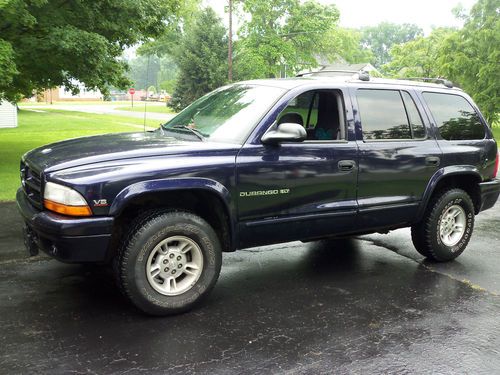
{"type": "Point", "coordinates": [397, 156]}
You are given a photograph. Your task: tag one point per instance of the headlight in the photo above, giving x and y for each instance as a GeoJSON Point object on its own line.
{"type": "Point", "coordinates": [64, 200]}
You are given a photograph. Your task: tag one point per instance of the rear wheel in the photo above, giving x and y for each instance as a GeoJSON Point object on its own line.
{"type": "Point", "coordinates": [446, 228]}
{"type": "Point", "coordinates": [169, 262]}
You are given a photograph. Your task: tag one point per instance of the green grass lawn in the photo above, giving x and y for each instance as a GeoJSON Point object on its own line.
{"type": "Point", "coordinates": [36, 129]}
{"type": "Point", "coordinates": [139, 107]}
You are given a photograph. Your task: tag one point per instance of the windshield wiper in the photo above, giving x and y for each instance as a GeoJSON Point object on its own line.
{"type": "Point", "coordinates": [194, 131]}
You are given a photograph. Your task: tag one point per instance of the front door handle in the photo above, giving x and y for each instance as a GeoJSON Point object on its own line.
{"type": "Point", "coordinates": [432, 161]}
{"type": "Point", "coordinates": [346, 165]}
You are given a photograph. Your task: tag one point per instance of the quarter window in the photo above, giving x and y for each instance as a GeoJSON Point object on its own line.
{"type": "Point", "coordinates": [455, 117]}
{"type": "Point", "coordinates": [416, 123]}
{"type": "Point", "coordinates": [383, 115]}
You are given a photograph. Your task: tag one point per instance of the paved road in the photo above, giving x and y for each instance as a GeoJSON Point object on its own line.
{"type": "Point", "coordinates": [365, 305]}
{"type": "Point", "coordinates": [106, 109]}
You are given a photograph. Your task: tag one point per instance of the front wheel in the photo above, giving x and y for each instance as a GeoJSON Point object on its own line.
{"type": "Point", "coordinates": [446, 228]}
{"type": "Point", "coordinates": [169, 262]}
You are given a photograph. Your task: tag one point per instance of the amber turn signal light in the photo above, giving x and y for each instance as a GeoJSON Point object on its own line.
{"type": "Point", "coordinates": [67, 210]}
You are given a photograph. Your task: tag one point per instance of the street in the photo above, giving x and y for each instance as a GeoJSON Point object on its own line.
{"type": "Point", "coordinates": [364, 305]}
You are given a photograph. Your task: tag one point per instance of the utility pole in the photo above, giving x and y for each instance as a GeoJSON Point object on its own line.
{"type": "Point", "coordinates": [230, 46]}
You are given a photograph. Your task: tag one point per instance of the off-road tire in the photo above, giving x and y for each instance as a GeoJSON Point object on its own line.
{"type": "Point", "coordinates": [145, 233]}
{"type": "Point", "coordinates": [425, 234]}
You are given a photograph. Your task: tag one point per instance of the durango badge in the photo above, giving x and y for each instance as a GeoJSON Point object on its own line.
{"type": "Point", "coordinates": [263, 192]}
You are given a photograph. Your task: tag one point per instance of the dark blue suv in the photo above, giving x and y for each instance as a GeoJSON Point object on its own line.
{"type": "Point", "coordinates": [262, 162]}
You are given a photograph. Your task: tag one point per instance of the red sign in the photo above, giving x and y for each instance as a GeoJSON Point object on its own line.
{"type": "Point", "coordinates": [131, 91]}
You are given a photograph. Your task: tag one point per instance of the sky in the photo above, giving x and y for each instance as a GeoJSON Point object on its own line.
{"type": "Point", "coordinates": [358, 13]}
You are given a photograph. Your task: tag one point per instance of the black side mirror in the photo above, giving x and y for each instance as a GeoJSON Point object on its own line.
{"type": "Point", "coordinates": [286, 132]}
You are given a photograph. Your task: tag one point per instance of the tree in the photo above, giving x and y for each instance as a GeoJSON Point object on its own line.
{"type": "Point", "coordinates": [46, 43]}
{"type": "Point", "coordinates": [143, 71]}
{"type": "Point", "coordinates": [170, 39]}
{"type": "Point", "coordinates": [344, 44]}
{"type": "Point", "coordinates": [202, 59]}
{"type": "Point", "coordinates": [470, 57]}
{"type": "Point", "coordinates": [276, 33]}
{"type": "Point", "coordinates": [418, 57]}
{"type": "Point", "coordinates": [7, 64]}
{"type": "Point", "coordinates": [379, 39]}
{"type": "Point", "coordinates": [167, 76]}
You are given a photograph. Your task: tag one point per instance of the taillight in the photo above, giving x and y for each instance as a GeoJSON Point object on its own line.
{"type": "Point", "coordinates": [495, 172]}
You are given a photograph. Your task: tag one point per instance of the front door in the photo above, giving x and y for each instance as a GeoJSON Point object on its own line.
{"type": "Point", "coordinates": [301, 190]}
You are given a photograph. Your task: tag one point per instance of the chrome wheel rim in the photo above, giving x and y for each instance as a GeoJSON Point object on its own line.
{"type": "Point", "coordinates": [174, 265]}
{"type": "Point", "coordinates": [452, 225]}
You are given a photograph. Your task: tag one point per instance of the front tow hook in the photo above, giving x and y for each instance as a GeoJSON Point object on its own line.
{"type": "Point", "coordinates": [30, 241]}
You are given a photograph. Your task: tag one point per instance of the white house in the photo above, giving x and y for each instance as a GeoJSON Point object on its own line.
{"type": "Point", "coordinates": [8, 115]}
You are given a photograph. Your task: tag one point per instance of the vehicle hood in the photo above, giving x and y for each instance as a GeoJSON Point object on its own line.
{"type": "Point", "coordinates": [87, 150]}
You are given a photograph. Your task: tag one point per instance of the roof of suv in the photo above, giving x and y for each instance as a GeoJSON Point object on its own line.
{"type": "Point", "coordinates": [290, 83]}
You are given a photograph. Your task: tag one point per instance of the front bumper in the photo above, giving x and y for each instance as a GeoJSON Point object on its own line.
{"type": "Point", "coordinates": [71, 240]}
{"type": "Point", "coordinates": [489, 193]}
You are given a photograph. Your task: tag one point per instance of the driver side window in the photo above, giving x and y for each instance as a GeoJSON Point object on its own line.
{"type": "Point", "coordinates": [321, 112]}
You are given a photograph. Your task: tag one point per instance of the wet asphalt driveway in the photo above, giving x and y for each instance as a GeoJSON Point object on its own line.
{"type": "Point", "coordinates": [364, 305]}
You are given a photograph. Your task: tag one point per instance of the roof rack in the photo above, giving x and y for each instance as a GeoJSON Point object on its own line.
{"type": "Point", "coordinates": [442, 81]}
{"type": "Point", "coordinates": [362, 75]}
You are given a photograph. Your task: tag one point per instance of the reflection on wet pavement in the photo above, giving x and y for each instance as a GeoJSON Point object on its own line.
{"type": "Point", "coordinates": [344, 306]}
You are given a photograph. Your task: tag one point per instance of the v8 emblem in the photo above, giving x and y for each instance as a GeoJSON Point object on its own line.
{"type": "Point", "coordinates": [100, 202]}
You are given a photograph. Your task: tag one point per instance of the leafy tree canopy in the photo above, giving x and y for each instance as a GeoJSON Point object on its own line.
{"type": "Point", "coordinates": [48, 43]}
{"type": "Point", "coordinates": [202, 59]}
{"type": "Point", "coordinates": [471, 57]}
{"type": "Point", "coordinates": [344, 44]}
{"type": "Point", "coordinates": [417, 58]}
{"type": "Point", "coordinates": [143, 71]}
{"type": "Point", "coordinates": [278, 32]}
{"type": "Point", "coordinates": [152, 70]}
{"type": "Point", "coordinates": [169, 41]}
{"type": "Point", "coordinates": [379, 39]}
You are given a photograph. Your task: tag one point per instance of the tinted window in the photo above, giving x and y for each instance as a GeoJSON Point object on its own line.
{"type": "Point", "coordinates": [383, 115]}
{"type": "Point", "coordinates": [455, 117]}
{"type": "Point", "coordinates": [417, 125]}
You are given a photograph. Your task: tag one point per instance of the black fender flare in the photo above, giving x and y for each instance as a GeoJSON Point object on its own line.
{"type": "Point", "coordinates": [439, 175]}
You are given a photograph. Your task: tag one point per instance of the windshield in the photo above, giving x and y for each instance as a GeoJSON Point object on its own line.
{"type": "Point", "coordinates": [227, 114]}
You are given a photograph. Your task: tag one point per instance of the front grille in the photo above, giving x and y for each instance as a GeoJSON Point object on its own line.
{"type": "Point", "coordinates": [32, 185]}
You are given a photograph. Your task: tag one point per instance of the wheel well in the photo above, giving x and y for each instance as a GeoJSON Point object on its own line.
{"type": "Point", "coordinates": [467, 182]}
{"type": "Point", "coordinates": [203, 203]}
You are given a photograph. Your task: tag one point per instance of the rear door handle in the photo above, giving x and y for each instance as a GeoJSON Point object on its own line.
{"type": "Point", "coordinates": [346, 165]}
{"type": "Point", "coordinates": [432, 161]}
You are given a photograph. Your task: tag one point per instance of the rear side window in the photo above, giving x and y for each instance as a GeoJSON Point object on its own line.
{"type": "Point", "coordinates": [389, 114]}
{"type": "Point", "coordinates": [455, 117]}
